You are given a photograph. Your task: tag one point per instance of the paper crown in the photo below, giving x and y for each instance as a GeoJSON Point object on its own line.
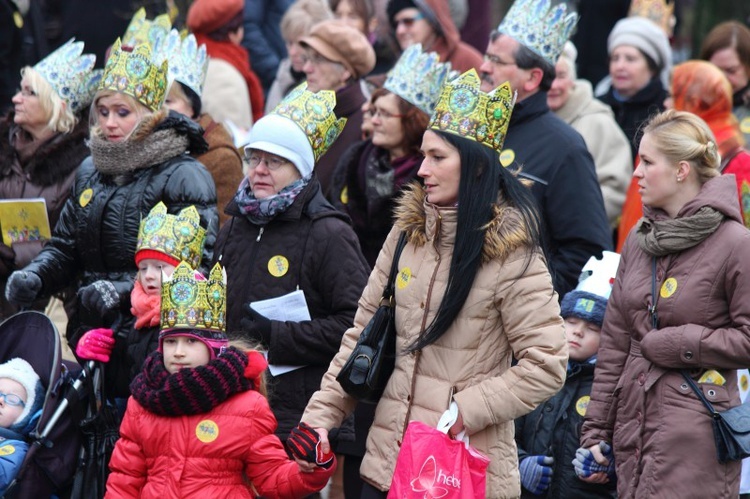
{"type": "Point", "coordinates": [189, 302]}
{"type": "Point", "coordinates": [134, 74]}
{"type": "Point", "coordinates": [661, 12]}
{"type": "Point", "coordinates": [70, 73]}
{"type": "Point", "coordinates": [598, 276]}
{"type": "Point", "coordinates": [141, 30]}
{"type": "Point", "coordinates": [463, 109]}
{"type": "Point", "coordinates": [178, 236]}
{"type": "Point", "coordinates": [313, 113]}
{"type": "Point", "coordinates": [187, 62]}
{"type": "Point", "coordinates": [418, 77]}
{"type": "Point", "coordinates": [539, 27]}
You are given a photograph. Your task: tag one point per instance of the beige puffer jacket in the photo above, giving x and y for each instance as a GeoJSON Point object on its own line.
{"type": "Point", "coordinates": [511, 310]}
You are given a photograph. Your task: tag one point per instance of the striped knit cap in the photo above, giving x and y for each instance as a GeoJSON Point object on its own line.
{"type": "Point", "coordinates": [190, 391]}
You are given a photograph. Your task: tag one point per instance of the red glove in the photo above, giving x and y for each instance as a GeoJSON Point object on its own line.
{"type": "Point", "coordinates": [96, 344]}
{"type": "Point", "coordinates": [304, 442]}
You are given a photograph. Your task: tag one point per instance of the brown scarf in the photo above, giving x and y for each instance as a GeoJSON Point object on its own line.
{"type": "Point", "coordinates": [119, 158]}
{"type": "Point", "coordinates": [663, 237]}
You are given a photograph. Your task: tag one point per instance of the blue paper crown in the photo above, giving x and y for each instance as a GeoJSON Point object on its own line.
{"type": "Point", "coordinates": [71, 74]}
{"type": "Point", "coordinates": [187, 62]}
{"type": "Point", "coordinates": [540, 27]}
{"type": "Point", "coordinates": [418, 77]}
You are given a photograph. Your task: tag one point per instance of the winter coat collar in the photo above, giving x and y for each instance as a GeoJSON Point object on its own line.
{"type": "Point", "coordinates": [581, 102]}
{"type": "Point", "coordinates": [53, 161]}
{"type": "Point", "coordinates": [651, 93]}
{"type": "Point", "coordinates": [528, 109]}
{"type": "Point", "coordinates": [425, 222]}
{"type": "Point", "coordinates": [719, 193]}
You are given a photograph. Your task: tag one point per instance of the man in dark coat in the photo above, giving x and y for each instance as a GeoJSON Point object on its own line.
{"type": "Point", "coordinates": [546, 150]}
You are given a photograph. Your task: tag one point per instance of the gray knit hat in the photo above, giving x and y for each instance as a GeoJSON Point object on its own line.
{"type": "Point", "coordinates": [646, 36]}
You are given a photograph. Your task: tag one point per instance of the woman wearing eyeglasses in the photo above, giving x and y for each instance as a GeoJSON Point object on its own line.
{"type": "Point", "coordinates": [283, 236]}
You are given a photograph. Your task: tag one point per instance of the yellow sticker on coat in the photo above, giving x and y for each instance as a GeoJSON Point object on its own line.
{"type": "Point", "coordinates": [278, 266]}
{"type": "Point", "coordinates": [582, 404]}
{"type": "Point", "coordinates": [207, 431]}
{"type": "Point", "coordinates": [403, 278]}
{"type": "Point", "coordinates": [85, 197]}
{"type": "Point", "coordinates": [507, 157]}
{"type": "Point", "coordinates": [668, 288]}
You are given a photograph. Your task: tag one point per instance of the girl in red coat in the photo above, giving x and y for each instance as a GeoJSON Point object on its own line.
{"type": "Point", "coordinates": [197, 424]}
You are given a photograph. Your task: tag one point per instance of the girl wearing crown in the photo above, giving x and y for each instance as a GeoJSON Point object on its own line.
{"type": "Point", "coordinates": [42, 145]}
{"type": "Point", "coordinates": [198, 424]}
{"type": "Point", "coordinates": [139, 157]}
{"type": "Point", "coordinates": [473, 292]}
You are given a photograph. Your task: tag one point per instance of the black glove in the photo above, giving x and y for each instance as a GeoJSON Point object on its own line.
{"type": "Point", "coordinates": [257, 325]}
{"type": "Point", "coordinates": [7, 260]}
{"type": "Point", "coordinates": [22, 288]}
{"type": "Point", "coordinates": [100, 299]}
{"type": "Point", "coordinates": [304, 443]}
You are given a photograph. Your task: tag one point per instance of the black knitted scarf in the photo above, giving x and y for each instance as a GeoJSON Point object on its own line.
{"type": "Point", "coordinates": [190, 391]}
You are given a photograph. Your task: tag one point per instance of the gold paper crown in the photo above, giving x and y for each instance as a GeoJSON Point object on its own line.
{"type": "Point", "coordinates": [141, 30]}
{"type": "Point", "coordinates": [463, 109]}
{"type": "Point", "coordinates": [661, 12]}
{"type": "Point", "coordinates": [190, 302]}
{"type": "Point", "coordinates": [178, 236]}
{"type": "Point", "coordinates": [134, 74]}
{"type": "Point", "coordinates": [313, 113]}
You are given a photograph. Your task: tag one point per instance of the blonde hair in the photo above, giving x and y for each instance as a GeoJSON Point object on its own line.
{"type": "Point", "coordinates": [59, 116]}
{"type": "Point", "coordinates": [682, 136]}
{"type": "Point", "coordinates": [246, 346]}
{"type": "Point", "coordinates": [138, 108]}
{"type": "Point", "coordinates": [301, 16]}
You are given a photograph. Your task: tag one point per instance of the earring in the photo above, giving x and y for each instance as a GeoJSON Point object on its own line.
{"type": "Point", "coordinates": [679, 179]}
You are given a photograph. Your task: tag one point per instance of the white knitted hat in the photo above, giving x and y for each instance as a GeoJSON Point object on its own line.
{"type": "Point", "coordinates": [21, 371]}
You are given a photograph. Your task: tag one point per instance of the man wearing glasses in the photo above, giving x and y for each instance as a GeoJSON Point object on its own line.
{"type": "Point", "coordinates": [337, 57]}
{"type": "Point", "coordinates": [523, 51]}
{"type": "Point", "coordinates": [429, 22]}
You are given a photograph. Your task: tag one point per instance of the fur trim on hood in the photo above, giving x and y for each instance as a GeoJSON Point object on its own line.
{"type": "Point", "coordinates": [53, 161]}
{"type": "Point", "coordinates": [505, 233]}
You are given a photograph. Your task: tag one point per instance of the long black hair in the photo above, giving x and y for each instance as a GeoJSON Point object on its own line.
{"type": "Point", "coordinates": [482, 178]}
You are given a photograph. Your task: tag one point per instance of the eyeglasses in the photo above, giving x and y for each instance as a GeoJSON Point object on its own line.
{"type": "Point", "coordinates": [12, 399]}
{"type": "Point", "coordinates": [408, 22]}
{"type": "Point", "coordinates": [316, 59]}
{"type": "Point", "coordinates": [272, 163]}
{"type": "Point", "coordinates": [384, 115]}
{"type": "Point", "coordinates": [493, 59]}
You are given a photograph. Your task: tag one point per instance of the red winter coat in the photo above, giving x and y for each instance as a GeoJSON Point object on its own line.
{"type": "Point", "coordinates": [211, 455]}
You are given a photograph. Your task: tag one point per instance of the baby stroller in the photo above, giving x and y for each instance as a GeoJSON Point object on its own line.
{"type": "Point", "coordinates": [51, 460]}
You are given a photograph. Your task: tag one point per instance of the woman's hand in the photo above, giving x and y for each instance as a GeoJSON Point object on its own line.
{"type": "Point", "coordinates": [457, 427]}
{"type": "Point", "coordinates": [310, 447]}
{"type": "Point", "coordinates": [595, 464]}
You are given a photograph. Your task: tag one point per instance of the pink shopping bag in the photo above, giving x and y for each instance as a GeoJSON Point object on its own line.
{"type": "Point", "coordinates": [432, 465]}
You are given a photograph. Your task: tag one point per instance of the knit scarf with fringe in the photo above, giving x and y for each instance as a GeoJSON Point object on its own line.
{"type": "Point", "coordinates": [190, 391]}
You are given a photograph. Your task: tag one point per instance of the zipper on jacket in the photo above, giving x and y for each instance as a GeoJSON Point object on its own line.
{"type": "Point", "coordinates": [260, 234]}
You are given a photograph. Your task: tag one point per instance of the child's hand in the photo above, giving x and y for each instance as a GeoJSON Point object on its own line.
{"type": "Point", "coordinates": [310, 445]}
{"type": "Point", "coordinates": [96, 344]}
{"type": "Point", "coordinates": [536, 473]}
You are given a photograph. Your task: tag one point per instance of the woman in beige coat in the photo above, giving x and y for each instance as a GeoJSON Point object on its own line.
{"type": "Point", "coordinates": [473, 292]}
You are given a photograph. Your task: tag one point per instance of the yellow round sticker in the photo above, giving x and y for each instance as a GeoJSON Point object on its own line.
{"type": "Point", "coordinates": [507, 157]}
{"type": "Point", "coordinates": [207, 431]}
{"type": "Point", "coordinates": [743, 382]}
{"type": "Point", "coordinates": [403, 278]}
{"type": "Point", "coordinates": [85, 197]}
{"type": "Point", "coordinates": [345, 195]}
{"type": "Point", "coordinates": [278, 265]}
{"type": "Point", "coordinates": [745, 125]}
{"type": "Point", "coordinates": [582, 404]}
{"type": "Point", "coordinates": [18, 19]}
{"type": "Point", "coordinates": [7, 450]}
{"type": "Point", "coordinates": [668, 288]}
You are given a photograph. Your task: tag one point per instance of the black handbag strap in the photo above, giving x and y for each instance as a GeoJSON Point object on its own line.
{"type": "Point", "coordinates": [388, 291]}
{"type": "Point", "coordinates": [655, 325]}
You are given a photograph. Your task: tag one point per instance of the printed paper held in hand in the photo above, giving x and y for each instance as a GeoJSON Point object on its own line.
{"type": "Point", "coordinates": [289, 307]}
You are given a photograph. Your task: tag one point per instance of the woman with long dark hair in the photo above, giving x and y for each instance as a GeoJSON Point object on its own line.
{"type": "Point", "coordinates": [473, 292]}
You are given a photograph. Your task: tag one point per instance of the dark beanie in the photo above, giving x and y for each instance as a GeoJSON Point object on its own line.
{"type": "Point", "coordinates": [396, 6]}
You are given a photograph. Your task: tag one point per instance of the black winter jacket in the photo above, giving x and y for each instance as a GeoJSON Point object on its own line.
{"type": "Point", "coordinates": [553, 155]}
{"type": "Point", "coordinates": [323, 259]}
{"type": "Point", "coordinates": [632, 113]}
{"type": "Point", "coordinates": [97, 233]}
{"type": "Point", "coordinates": [553, 429]}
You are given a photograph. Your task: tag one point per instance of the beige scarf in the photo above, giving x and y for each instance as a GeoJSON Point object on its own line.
{"type": "Point", "coordinates": [663, 237]}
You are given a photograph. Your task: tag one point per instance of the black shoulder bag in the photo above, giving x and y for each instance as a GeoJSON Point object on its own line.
{"type": "Point", "coordinates": [366, 372]}
{"type": "Point", "coordinates": [731, 427]}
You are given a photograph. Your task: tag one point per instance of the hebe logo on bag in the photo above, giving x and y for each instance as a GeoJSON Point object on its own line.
{"type": "Point", "coordinates": [433, 480]}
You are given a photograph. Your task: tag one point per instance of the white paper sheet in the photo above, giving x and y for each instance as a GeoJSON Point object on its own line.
{"type": "Point", "coordinates": [289, 307]}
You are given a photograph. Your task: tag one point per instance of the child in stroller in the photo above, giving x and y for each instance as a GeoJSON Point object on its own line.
{"type": "Point", "coordinates": [30, 353]}
{"type": "Point", "coordinates": [21, 399]}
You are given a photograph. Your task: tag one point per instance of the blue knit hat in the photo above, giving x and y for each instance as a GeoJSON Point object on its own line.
{"type": "Point", "coordinates": [589, 300]}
